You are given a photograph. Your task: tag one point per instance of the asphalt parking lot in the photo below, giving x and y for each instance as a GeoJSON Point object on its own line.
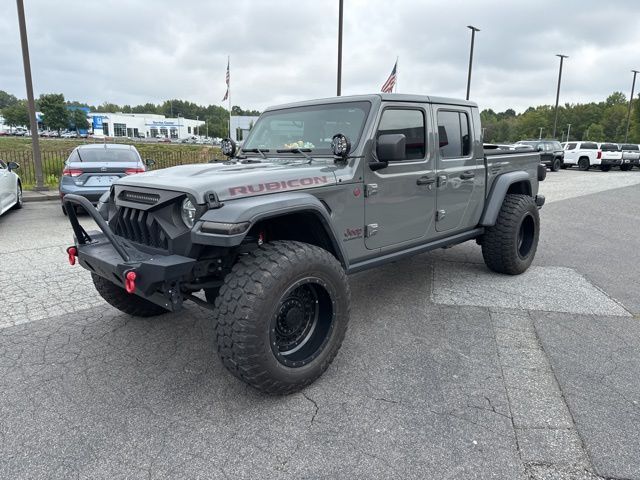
{"type": "Point", "coordinates": [448, 371]}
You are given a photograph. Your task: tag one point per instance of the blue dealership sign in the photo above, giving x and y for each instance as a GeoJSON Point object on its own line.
{"type": "Point", "coordinates": [97, 122]}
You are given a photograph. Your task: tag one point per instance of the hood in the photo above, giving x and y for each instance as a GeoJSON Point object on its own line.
{"type": "Point", "coordinates": [236, 180]}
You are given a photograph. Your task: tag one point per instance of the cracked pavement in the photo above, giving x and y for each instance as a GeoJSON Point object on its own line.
{"type": "Point", "coordinates": [446, 371]}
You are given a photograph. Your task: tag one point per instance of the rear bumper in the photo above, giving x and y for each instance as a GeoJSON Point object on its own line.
{"type": "Point", "coordinates": [612, 162]}
{"type": "Point", "coordinates": [158, 277]}
{"type": "Point", "coordinates": [631, 161]}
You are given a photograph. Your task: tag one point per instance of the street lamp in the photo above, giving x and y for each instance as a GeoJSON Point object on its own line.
{"type": "Point", "coordinates": [198, 125]}
{"type": "Point", "coordinates": [339, 82]}
{"type": "Point", "coordinates": [555, 122]}
{"type": "Point", "coordinates": [473, 37]}
{"type": "Point", "coordinates": [35, 142]}
{"type": "Point", "coordinates": [540, 136]}
{"type": "Point", "coordinates": [568, 130]}
{"type": "Point", "coordinates": [633, 85]}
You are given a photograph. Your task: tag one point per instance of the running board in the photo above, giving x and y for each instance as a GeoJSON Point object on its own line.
{"type": "Point", "coordinates": [426, 247]}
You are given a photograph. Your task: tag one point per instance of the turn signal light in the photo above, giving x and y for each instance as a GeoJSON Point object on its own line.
{"type": "Point", "coordinates": [73, 253]}
{"type": "Point", "coordinates": [130, 281]}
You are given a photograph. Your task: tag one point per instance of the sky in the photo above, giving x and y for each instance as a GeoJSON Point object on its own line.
{"type": "Point", "coordinates": [134, 52]}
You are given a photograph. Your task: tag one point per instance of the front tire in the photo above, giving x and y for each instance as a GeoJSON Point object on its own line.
{"type": "Point", "coordinates": [19, 198]}
{"type": "Point", "coordinates": [281, 316]}
{"type": "Point", "coordinates": [556, 165]}
{"type": "Point", "coordinates": [510, 245]}
{"type": "Point", "coordinates": [128, 303]}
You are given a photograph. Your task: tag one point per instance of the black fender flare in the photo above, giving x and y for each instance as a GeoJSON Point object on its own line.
{"type": "Point", "coordinates": [264, 207]}
{"type": "Point", "coordinates": [498, 191]}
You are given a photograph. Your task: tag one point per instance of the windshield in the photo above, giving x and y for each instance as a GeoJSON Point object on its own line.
{"type": "Point", "coordinates": [104, 155]}
{"type": "Point", "coordinates": [523, 142]}
{"type": "Point", "coordinates": [309, 127]}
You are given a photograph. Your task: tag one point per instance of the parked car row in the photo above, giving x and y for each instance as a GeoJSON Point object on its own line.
{"type": "Point", "coordinates": [586, 155]}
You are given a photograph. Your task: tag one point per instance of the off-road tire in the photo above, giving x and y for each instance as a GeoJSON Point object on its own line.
{"type": "Point", "coordinates": [130, 304]}
{"type": "Point", "coordinates": [250, 304]}
{"type": "Point", "coordinates": [211, 294]}
{"type": "Point", "coordinates": [605, 168]}
{"type": "Point", "coordinates": [505, 247]}
{"type": "Point", "coordinates": [583, 164]}
{"type": "Point", "coordinates": [626, 167]}
{"type": "Point", "coordinates": [19, 199]}
{"type": "Point", "coordinates": [556, 165]}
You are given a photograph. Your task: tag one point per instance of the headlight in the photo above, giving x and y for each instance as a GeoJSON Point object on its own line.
{"type": "Point", "coordinates": [188, 212]}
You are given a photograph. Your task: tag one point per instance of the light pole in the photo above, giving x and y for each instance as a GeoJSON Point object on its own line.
{"type": "Point", "coordinates": [35, 141]}
{"type": "Point", "coordinates": [568, 130]}
{"type": "Point", "coordinates": [473, 37]}
{"type": "Point", "coordinates": [540, 136]}
{"type": "Point", "coordinates": [555, 122]}
{"type": "Point", "coordinates": [339, 82]}
{"type": "Point", "coordinates": [198, 126]}
{"type": "Point", "coordinates": [633, 85]}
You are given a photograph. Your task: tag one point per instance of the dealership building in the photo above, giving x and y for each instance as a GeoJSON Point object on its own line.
{"type": "Point", "coordinates": [142, 125]}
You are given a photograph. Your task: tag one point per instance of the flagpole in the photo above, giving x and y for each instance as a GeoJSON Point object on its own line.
{"type": "Point", "coordinates": [229, 91]}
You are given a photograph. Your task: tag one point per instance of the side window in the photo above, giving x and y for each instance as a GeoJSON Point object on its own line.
{"type": "Point", "coordinates": [571, 146]}
{"type": "Point", "coordinates": [548, 147]}
{"type": "Point", "coordinates": [410, 123]}
{"type": "Point", "coordinates": [453, 134]}
{"type": "Point", "coordinates": [2, 165]}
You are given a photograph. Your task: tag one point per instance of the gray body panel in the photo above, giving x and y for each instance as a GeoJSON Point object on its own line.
{"type": "Point", "coordinates": [371, 216]}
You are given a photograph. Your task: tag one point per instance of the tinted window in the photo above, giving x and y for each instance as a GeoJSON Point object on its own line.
{"type": "Point", "coordinates": [453, 134]}
{"type": "Point", "coordinates": [570, 146]}
{"type": "Point", "coordinates": [104, 155]}
{"type": "Point", "coordinates": [630, 147]}
{"type": "Point", "coordinates": [533, 144]}
{"type": "Point", "coordinates": [556, 146]}
{"type": "Point", "coordinates": [410, 123]}
{"type": "Point", "coordinates": [589, 146]}
{"type": "Point", "coordinates": [609, 147]}
{"type": "Point", "coordinates": [2, 165]}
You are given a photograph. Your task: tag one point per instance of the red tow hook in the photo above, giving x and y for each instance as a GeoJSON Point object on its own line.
{"type": "Point", "coordinates": [130, 281]}
{"type": "Point", "coordinates": [73, 253]}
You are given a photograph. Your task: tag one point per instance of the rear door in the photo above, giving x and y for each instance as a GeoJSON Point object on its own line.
{"type": "Point", "coordinates": [400, 199]}
{"type": "Point", "coordinates": [459, 174]}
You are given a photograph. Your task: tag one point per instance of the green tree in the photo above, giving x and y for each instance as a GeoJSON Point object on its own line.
{"type": "Point", "coordinates": [595, 133]}
{"type": "Point", "coordinates": [55, 115]}
{"type": "Point", "coordinates": [616, 98]}
{"type": "Point", "coordinates": [6, 100]}
{"type": "Point", "coordinates": [17, 114]}
{"type": "Point", "coordinates": [78, 119]}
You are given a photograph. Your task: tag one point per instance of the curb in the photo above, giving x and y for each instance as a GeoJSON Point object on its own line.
{"type": "Point", "coordinates": [39, 198]}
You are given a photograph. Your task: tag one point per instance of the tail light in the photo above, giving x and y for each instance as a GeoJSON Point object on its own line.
{"type": "Point", "coordinates": [599, 154]}
{"type": "Point", "coordinates": [133, 171]}
{"type": "Point", "coordinates": [71, 172]}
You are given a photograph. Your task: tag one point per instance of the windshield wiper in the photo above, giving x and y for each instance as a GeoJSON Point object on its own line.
{"type": "Point", "coordinates": [261, 151]}
{"type": "Point", "coordinates": [301, 151]}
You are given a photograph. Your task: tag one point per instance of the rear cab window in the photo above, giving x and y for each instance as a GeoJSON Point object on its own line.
{"type": "Point", "coordinates": [609, 147]}
{"type": "Point", "coordinates": [453, 134]}
{"type": "Point", "coordinates": [589, 146]}
{"type": "Point", "coordinates": [630, 147]}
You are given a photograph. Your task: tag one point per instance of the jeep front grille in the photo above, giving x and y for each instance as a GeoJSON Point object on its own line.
{"type": "Point", "coordinates": [137, 226]}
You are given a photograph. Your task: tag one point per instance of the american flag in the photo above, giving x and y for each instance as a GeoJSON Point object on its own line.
{"type": "Point", "coordinates": [226, 95]}
{"type": "Point", "coordinates": [391, 81]}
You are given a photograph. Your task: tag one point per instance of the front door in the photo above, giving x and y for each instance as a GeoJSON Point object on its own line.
{"type": "Point", "coordinates": [400, 199]}
{"type": "Point", "coordinates": [459, 172]}
{"type": "Point", "coordinates": [6, 186]}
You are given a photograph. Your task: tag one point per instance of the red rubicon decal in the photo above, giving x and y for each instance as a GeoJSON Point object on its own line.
{"type": "Point", "coordinates": [357, 192]}
{"type": "Point", "coordinates": [277, 186]}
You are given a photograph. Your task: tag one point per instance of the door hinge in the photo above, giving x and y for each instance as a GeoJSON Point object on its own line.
{"type": "Point", "coordinates": [440, 214]}
{"type": "Point", "coordinates": [370, 230]}
{"type": "Point", "coordinates": [370, 189]}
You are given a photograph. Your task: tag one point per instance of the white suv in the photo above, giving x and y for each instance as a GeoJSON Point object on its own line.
{"type": "Point", "coordinates": [589, 154]}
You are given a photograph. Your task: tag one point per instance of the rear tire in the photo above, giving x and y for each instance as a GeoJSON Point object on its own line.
{"type": "Point", "coordinates": [583, 164]}
{"type": "Point", "coordinates": [510, 245]}
{"type": "Point", "coordinates": [556, 165]}
{"type": "Point", "coordinates": [19, 199]}
{"type": "Point", "coordinates": [605, 168]}
{"type": "Point", "coordinates": [626, 167]}
{"type": "Point", "coordinates": [281, 316]}
{"type": "Point", "coordinates": [131, 304]}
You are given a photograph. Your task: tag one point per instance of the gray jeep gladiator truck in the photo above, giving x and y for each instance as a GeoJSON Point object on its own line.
{"type": "Point", "coordinates": [319, 190]}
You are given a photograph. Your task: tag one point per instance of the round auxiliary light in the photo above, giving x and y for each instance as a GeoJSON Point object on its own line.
{"type": "Point", "coordinates": [188, 212]}
{"type": "Point", "coordinates": [228, 147]}
{"type": "Point", "coordinates": [340, 145]}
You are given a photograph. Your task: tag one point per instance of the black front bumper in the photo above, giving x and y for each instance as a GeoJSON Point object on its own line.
{"type": "Point", "coordinates": [158, 277]}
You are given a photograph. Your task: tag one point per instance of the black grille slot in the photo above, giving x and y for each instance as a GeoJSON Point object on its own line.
{"type": "Point", "coordinates": [137, 226]}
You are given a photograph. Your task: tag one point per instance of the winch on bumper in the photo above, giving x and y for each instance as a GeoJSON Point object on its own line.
{"type": "Point", "coordinates": [155, 277]}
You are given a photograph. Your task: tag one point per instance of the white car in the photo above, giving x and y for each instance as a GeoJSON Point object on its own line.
{"type": "Point", "coordinates": [630, 156]}
{"type": "Point", "coordinates": [592, 154]}
{"type": "Point", "coordinates": [10, 187]}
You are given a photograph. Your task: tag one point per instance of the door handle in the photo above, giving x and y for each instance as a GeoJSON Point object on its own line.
{"type": "Point", "coordinates": [426, 180]}
{"type": "Point", "coordinates": [467, 175]}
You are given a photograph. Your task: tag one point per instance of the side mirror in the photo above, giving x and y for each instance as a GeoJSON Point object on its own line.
{"type": "Point", "coordinates": [541, 149]}
{"type": "Point", "coordinates": [149, 162]}
{"type": "Point", "coordinates": [391, 147]}
{"type": "Point", "coordinates": [12, 166]}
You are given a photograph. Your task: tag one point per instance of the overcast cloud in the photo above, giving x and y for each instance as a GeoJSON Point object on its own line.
{"type": "Point", "coordinates": [132, 52]}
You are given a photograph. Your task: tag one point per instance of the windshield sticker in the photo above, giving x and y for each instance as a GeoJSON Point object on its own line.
{"type": "Point", "coordinates": [277, 186]}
